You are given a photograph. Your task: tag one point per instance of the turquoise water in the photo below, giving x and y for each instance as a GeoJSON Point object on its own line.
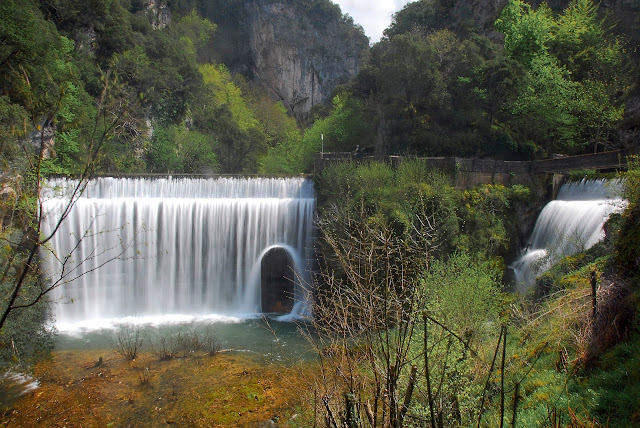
{"type": "Point", "coordinates": [264, 336]}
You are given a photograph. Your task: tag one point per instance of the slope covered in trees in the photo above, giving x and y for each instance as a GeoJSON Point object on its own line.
{"type": "Point", "coordinates": [439, 83]}
{"type": "Point", "coordinates": [185, 110]}
{"type": "Point", "coordinates": [556, 84]}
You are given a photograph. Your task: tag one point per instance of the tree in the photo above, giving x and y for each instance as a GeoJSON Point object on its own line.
{"type": "Point", "coordinates": [575, 75]}
{"type": "Point", "coordinates": [222, 112]}
{"type": "Point", "coordinates": [21, 271]}
{"type": "Point", "coordinates": [400, 335]}
{"type": "Point", "coordinates": [43, 101]}
{"type": "Point", "coordinates": [175, 149]}
{"type": "Point", "coordinates": [366, 318]}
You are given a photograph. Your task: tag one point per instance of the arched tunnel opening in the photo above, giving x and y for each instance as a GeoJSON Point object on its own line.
{"type": "Point", "coordinates": [276, 281]}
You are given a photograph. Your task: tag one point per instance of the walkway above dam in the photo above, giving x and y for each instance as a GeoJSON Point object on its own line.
{"type": "Point", "coordinates": [472, 172]}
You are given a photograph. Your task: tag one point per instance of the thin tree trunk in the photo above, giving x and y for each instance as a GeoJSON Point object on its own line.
{"type": "Point", "coordinates": [408, 394]}
{"type": "Point", "coordinates": [515, 404]}
{"type": "Point", "coordinates": [426, 372]}
{"type": "Point", "coordinates": [486, 384]}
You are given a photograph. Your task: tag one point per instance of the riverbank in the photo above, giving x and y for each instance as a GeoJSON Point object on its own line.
{"type": "Point", "coordinates": [77, 389]}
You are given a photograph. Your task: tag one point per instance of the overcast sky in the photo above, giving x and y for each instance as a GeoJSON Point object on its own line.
{"type": "Point", "coordinates": [373, 15]}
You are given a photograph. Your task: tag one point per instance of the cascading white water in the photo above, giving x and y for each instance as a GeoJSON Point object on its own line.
{"type": "Point", "coordinates": [148, 247]}
{"type": "Point", "coordinates": [570, 224]}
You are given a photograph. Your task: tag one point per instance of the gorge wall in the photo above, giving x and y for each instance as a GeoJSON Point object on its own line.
{"type": "Point", "coordinates": [300, 51]}
{"type": "Point", "coordinates": [300, 60]}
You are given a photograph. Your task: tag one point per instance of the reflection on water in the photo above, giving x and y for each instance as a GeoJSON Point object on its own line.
{"type": "Point", "coordinates": [264, 336]}
{"type": "Point", "coordinates": [14, 385]}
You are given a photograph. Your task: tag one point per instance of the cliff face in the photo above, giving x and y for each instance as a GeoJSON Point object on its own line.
{"type": "Point", "coordinates": [301, 61]}
{"type": "Point", "coordinates": [480, 13]}
{"type": "Point", "coordinates": [159, 13]}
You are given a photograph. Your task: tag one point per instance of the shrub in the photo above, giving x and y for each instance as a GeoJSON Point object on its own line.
{"type": "Point", "coordinates": [128, 342]}
{"type": "Point", "coordinates": [184, 343]}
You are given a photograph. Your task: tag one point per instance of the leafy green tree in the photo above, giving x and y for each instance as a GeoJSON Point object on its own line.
{"type": "Point", "coordinates": [415, 16]}
{"type": "Point", "coordinates": [527, 31]}
{"type": "Point", "coordinates": [200, 33]}
{"type": "Point", "coordinates": [33, 59]}
{"type": "Point", "coordinates": [222, 111]}
{"type": "Point", "coordinates": [435, 94]}
{"type": "Point", "coordinates": [549, 96]}
{"type": "Point", "coordinates": [105, 25]}
{"type": "Point", "coordinates": [343, 129]}
{"type": "Point", "coordinates": [175, 149]}
{"type": "Point", "coordinates": [574, 75]}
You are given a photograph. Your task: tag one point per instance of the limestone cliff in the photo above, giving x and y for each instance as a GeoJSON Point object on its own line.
{"type": "Point", "coordinates": [300, 51]}
{"type": "Point", "coordinates": [159, 13]}
{"type": "Point", "coordinates": [299, 61]}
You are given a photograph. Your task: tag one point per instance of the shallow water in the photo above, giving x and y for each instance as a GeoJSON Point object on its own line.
{"type": "Point", "coordinates": [265, 336]}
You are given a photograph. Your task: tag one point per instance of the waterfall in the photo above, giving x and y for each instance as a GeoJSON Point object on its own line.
{"type": "Point", "coordinates": [570, 224]}
{"type": "Point", "coordinates": [151, 247]}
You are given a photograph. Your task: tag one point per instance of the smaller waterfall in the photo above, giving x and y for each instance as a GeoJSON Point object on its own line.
{"type": "Point", "coordinates": [570, 224]}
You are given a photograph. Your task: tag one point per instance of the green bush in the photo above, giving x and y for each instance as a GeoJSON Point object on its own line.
{"type": "Point", "coordinates": [628, 244]}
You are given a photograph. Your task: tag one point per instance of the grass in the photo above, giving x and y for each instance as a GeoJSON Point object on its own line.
{"type": "Point", "coordinates": [573, 369]}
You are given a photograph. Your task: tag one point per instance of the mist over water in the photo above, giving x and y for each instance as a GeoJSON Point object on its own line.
{"type": "Point", "coordinates": [570, 224]}
{"type": "Point", "coordinates": [173, 247]}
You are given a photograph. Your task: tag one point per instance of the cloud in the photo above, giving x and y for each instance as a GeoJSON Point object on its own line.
{"type": "Point", "coordinates": [373, 15]}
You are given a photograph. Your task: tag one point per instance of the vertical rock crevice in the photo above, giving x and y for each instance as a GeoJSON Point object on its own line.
{"type": "Point", "coordinates": [301, 61]}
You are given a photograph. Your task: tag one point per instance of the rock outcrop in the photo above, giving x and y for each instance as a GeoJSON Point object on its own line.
{"type": "Point", "coordinates": [299, 61]}
{"type": "Point", "coordinates": [159, 13]}
{"type": "Point", "coordinates": [480, 13]}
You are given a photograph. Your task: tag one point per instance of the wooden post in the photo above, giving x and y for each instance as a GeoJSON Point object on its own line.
{"type": "Point", "coordinates": [486, 385]}
{"type": "Point", "coordinates": [516, 398]}
{"type": "Point", "coordinates": [504, 355]}
{"type": "Point", "coordinates": [408, 393]}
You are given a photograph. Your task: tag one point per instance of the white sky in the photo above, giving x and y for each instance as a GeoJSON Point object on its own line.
{"type": "Point", "coordinates": [373, 15]}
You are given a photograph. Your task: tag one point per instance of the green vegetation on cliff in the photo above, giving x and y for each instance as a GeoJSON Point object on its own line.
{"type": "Point", "coordinates": [433, 86]}
{"type": "Point", "coordinates": [175, 99]}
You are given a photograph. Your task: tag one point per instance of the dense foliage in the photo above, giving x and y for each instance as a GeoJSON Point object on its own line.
{"type": "Point", "coordinates": [481, 221]}
{"type": "Point", "coordinates": [435, 87]}
{"type": "Point", "coordinates": [181, 103]}
{"type": "Point", "coordinates": [413, 310]}
{"type": "Point", "coordinates": [410, 292]}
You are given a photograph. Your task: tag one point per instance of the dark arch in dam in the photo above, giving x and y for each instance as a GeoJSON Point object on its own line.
{"type": "Point", "coordinates": [277, 281]}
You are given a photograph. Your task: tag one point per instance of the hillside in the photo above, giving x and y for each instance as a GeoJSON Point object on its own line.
{"type": "Point", "coordinates": [246, 87]}
{"type": "Point", "coordinates": [185, 94]}
{"type": "Point", "coordinates": [300, 51]}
